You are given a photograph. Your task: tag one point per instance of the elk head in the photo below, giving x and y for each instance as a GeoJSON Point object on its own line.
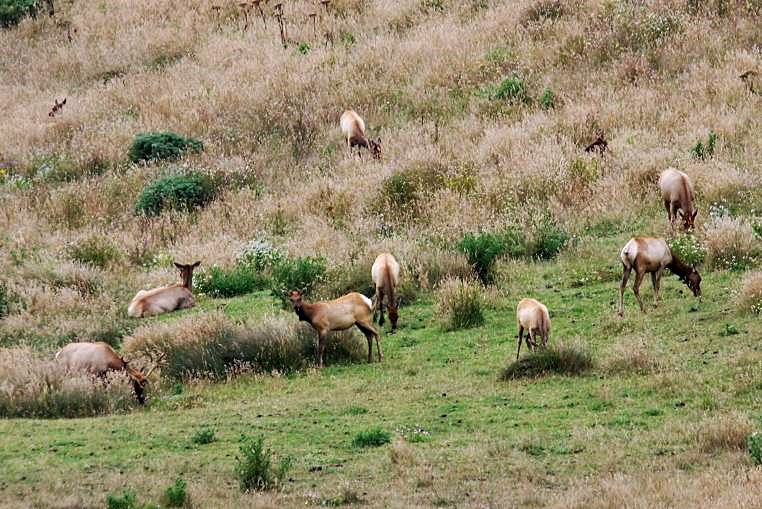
{"type": "Point", "coordinates": [393, 315]}
{"type": "Point", "coordinates": [693, 280]}
{"type": "Point", "coordinates": [689, 220]}
{"type": "Point", "coordinates": [139, 379]}
{"type": "Point", "coordinates": [186, 273]}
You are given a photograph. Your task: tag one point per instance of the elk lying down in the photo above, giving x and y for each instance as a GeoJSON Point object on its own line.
{"type": "Point", "coordinates": [652, 254]}
{"type": "Point", "coordinates": [353, 128]}
{"type": "Point", "coordinates": [98, 359]}
{"type": "Point", "coordinates": [166, 298]}
{"type": "Point", "coordinates": [532, 316]}
{"type": "Point", "coordinates": [338, 314]}
{"type": "Point", "coordinates": [386, 275]}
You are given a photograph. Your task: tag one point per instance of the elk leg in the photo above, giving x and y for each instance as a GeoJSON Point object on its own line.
{"type": "Point", "coordinates": [375, 307]}
{"type": "Point", "coordinates": [531, 340]}
{"type": "Point", "coordinates": [369, 332]}
{"type": "Point", "coordinates": [321, 349]}
{"type": "Point", "coordinates": [668, 207]}
{"type": "Point", "coordinates": [380, 304]}
{"type": "Point", "coordinates": [622, 287]}
{"type": "Point", "coordinates": [639, 275]}
{"type": "Point", "coordinates": [521, 334]}
{"type": "Point", "coordinates": [378, 347]}
{"type": "Point", "coordinates": [656, 280]}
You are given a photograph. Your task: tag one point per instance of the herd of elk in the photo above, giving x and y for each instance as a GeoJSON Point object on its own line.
{"type": "Point", "coordinates": [385, 273]}
{"type": "Point", "coordinates": [98, 359]}
{"type": "Point", "coordinates": [353, 128]}
{"type": "Point", "coordinates": [166, 298]}
{"type": "Point", "coordinates": [335, 315]}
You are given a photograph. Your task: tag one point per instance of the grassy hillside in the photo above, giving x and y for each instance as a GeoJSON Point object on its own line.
{"type": "Point", "coordinates": [484, 109]}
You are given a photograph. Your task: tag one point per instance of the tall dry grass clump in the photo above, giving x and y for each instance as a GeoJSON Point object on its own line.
{"type": "Point", "coordinates": [751, 292]}
{"type": "Point", "coordinates": [37, 387]}
{"type": "Point", "coordinates": [460, 304]}
{"type": "Point", "coordinates": [213, 346]}
{"type": "Point", "coordinates": [730, 243]}
{"type": "Point", "coordinates": [723, 433]}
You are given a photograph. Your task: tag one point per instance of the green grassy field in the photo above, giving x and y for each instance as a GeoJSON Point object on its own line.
{"type": "Point", "coordinates": [482, 442]}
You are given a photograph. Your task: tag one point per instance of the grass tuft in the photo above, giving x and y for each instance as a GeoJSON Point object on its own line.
{"type": "Point", "coordinates": [373, 437]}
{"type": "Point", "coordinates": [556, 360]}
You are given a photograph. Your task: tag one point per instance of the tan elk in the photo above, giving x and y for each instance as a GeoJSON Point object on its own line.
{"type": "Point", "coordinates": [532, 316]}
{"type": "Point", "coordinates": [338, 314]}
{"type": "Point", "coordinates": [386, 275]}
{"type": "Point", "coordinates": [677, 193]}
{"type": "Point", "coordinates": [653, 255]}
{"type": "Point", "coordinates": [98, 359]}
{"type": "Point", "coordinates": [353, 128]}
{"type": "Point", "coordinates": [166, 298]}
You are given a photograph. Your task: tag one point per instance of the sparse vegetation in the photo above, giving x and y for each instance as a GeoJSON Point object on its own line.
{"type": "Point", "coordinates": [460, 304]}
{"type": "Point", "coordinates": [723, 432]}
{"type": "Point", "coordinates": [704, 150]}
{"type": "Point", "coordinates": [255, 469]}
{"type": "Point", "coordinates": [751, 293]}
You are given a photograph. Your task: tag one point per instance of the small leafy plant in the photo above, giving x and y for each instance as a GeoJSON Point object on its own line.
{"type": "Point", "coordinates": [754, 445]}
{"type": "Point", "coordinates": [157, 146]}
{"type": "Point", "coordinates": [548, 99]}
{"type": "Point", "coordinates": [373, 437]}
{"type": "Point", "coordinates": [203, 436]}
{"type": "Point", "coordinates": [176, 495]}
{"type": "Point", "coordinates": [512, 89]}
{"type": "Point", "coordinates": [702, 150]}
{"type": "Point", "coordinates": [177, 192]}
{"type": "Point", "coordinates": [255, 470]}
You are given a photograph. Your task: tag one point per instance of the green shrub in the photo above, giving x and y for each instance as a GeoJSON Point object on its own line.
{"type": "Point", "coordinates": [203, 436]}
{"type": "Point", "coordinates": [5, 304]}
{"type": "Point", "coordinates": [548, 99]}
{"type": "Point", "coordinates": [255, 470]}
{"type": "Point", "coordinates": [303, 48]}
{"type": "Point", "coordinates": [510, 89]}
{"type": "Point", "coordinates": [373, 437]}
{"type": "Point", "coordinates": [259, 254]}
{"type": "Point", "coordinates": [561, 360]}
{"type": "Point", "coordinates": [549, 240]}
{"type": "Point", "coordinates": [754, 445]}
{"type": "Point", "coordinates": [688, 248]}
{"type": "Point", "coordinates": [96, 251]}
{"type": "Point", "coordinates": [181, 192]}
{"type": "Point", "coordinates": [481, 250]}
{"type": "Point", "coordinates": [218, 282]}
{"type": "Point", "coordinates": [13, 11]}
{"type": "Point", "coordinates": [303, 273]}
{"type": "Point", "coordinates": [176, 495]}
{"type": "Point", "coordinates": [460, 304]}
{"type": "Point", "coordinates": [514, 243]}
{"type": "Point", "coordinates": [156, 146]}
{"type": "Point", "coordinates": [127, 500]}
{"type": "Point", "coordinates": [703, 150]}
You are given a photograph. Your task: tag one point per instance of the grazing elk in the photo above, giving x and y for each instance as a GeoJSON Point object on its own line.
{"type": "Point", "coordinates": [677, 193]}
{"type": "Point", "coordinates": [599, 145]}
{"type": "Point", "coordinates": [98, 359]}
{"type": "Point", "coordinates": [386, 275]}
{"type": "Point", "coordinates": [166, 298]}
{"type": "Point", "coordinates": [533, 316]}
{"type": "Point", "coordinates": [353, 128]}
{"type": "Point", "coordinates": [338, 314]}
{"type": "Point", "coordinates": [652, 254]}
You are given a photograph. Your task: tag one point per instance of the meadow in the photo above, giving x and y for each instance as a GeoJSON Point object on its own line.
{"type": "Point", "coordinates": [484, 108]}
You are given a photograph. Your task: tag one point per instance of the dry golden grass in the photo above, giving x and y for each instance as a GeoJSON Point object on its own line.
{"type": "Point", "coordinates": [723, 433]}
{"type": "Point", "coordinates": [750, 298]}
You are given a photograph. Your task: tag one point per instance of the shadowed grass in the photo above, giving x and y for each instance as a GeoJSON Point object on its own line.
{"type": "Point", "coordinates": [555, 360]}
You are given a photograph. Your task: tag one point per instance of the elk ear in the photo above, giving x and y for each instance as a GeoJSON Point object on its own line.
{"type": "Point", "coordinates": [694, 213]}
{"type": "Point", "coordinates": [681, 213]}
{"type": "Point", "coordinates": [196, 264]}
{"type": "Point", "coordinates": [303, 291]}
{"type": "Point", "coordinates": [178, 265]}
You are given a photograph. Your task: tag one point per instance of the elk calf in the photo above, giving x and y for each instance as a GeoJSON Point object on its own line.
{"type": "Point", "coordinates": [386, 274]}
{"type": "Point", "coordinates": [98, 359]}
{"type": "Point", "coordinates": [677, 193]}
{"type": "Point", "coordinates": [338, 314]}
{"type": "Point", "coordinates": [166, 298]}
{"type": "Point", "coordinates": [652, 254]}
{"type": "Point", "coordinates": [533, 316]}
{"type": "Point", "coordinates": [353, 128]}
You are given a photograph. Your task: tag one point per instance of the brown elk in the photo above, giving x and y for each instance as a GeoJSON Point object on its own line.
{"type": "Point", "coordinates": [338, 314]}
{"type": "Point", "coordinates": [386, 275]}
{"type": "Point", "coordinates": [652, 254]}
{"type": "Point", "coordinates": [532, 316]}
{"type": "Point", "coordinates": [98, 359]}
{"type": "Point", "coordinates": [353, 128]}
{"type": "Point", "coordinates": [677, 193]}
{"type": "Point", "coordinates": [166, 298]}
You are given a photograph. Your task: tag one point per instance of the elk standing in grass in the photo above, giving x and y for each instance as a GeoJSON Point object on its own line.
{"type": "Point", "coordinates": [338, 314]}
{"type": "Point", "coordinates": [386, 274]}
{"type": "Point", "coordinates": [353, 128]}
{"type": "Point", "coordinates": [677, 193]}
{"type": "Point", "coordinates": [652, 254]}
{"type": "Point", "coordinates": [167, 298]}
{"type": "Point", "coordinates": [533, 316]}
{"type": "Point", "coordinates": [98, 359]}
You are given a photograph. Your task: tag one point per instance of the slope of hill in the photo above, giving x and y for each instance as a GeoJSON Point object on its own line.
{"type": "Point", "coordinates": [484, 108]}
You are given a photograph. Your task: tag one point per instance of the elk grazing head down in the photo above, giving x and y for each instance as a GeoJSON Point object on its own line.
{"type": "Point", "coordinates": [385, 274]}
{"type": "Point", "coordinates": [689, 220]}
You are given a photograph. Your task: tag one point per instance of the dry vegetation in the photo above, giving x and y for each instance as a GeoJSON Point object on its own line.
{"type": "Point", "coordinates": [464, 151]}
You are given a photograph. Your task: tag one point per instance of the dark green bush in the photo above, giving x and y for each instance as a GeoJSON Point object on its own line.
{"type": "Point", "coordinates": [5, 304]}
{"type": "Point", "coordinates": [304, 273]}
{"type": "Point", "coordinates": [178, 192]}
{"type": "Point", "coordinates": [13, 11]}
{"type": "Point", "coordinates": [560, 360]}
{"type": "Point", "coordinates": [176, 495]}
{"type": "Point", "coordinates": [255, 470]}
{"type": "Point", "coordinates": [156, 146]}
{"type": "Point", "coordinates": [754, 444]}
{"type": "Point", "coordinates": [239, 280]}
{"type": "Point", "coordinates": [549, 240]}
{"type": "Point", "coordinates": [127, 500]}
{"type": "Point", "coordinates": [203, 436]}
{"type": "Point", "coordinates": [373, 437]}
{"type": "Point", "coordinates": [481, 250]}
{"type": "Point", "coordinates": [96, 251]}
